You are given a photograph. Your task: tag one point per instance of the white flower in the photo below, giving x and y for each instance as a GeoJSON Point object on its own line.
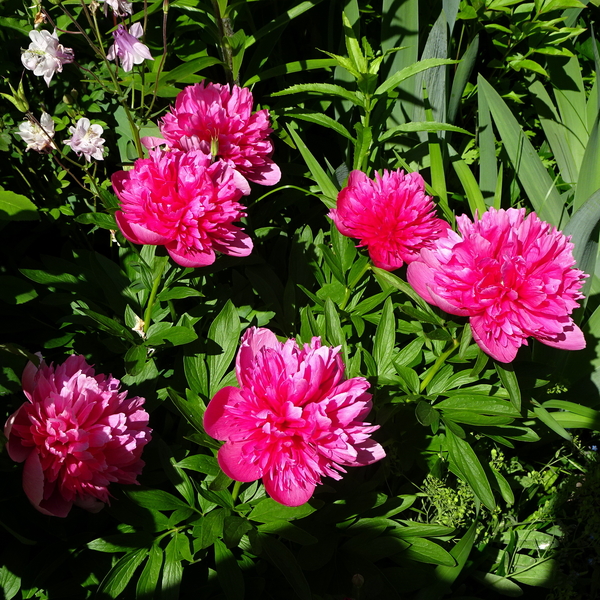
{"type": "Point", "coordinates": [86, 140]}
{"type": "Point", "coordinates": [38, 138]}
{"type": "Point", "coordinates": [45, 55]}
{"type": "Point", "coordinates": [121, 8]}
{"type": "Point", "coordinates": [128, 48]}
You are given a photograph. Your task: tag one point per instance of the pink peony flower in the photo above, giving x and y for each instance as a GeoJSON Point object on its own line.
{"type": "Point", "coordinates": [391, 215]}
{"type": "Point", "coordinates": [512, 275]}
{"type": "Point", "coordinates": [184, 202]}
{"type": "Point", "coordinates": [219, 121]}
{"type": "Point", "coordinates": [294, 419]}
{"type": "Point", "coordinates": [45, 56]}
{"type": "Point", "coordinates": [77, 434]}
{"type": "Point", "coordinates": [128, 47]}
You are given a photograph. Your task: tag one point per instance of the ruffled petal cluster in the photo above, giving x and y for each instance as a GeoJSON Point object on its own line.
{"type": "Point", "coordinates": [185, 202]}
{"type": "Point", "coordinates": [45, 56]}
{"type": "Point", "coordinates": [219, 121]}
{"type": "Point", "coordinates": [390, 215]}
{"type": "Point", "coordinates": [293, 420]}
{"type": "Point", "coordinates": [513, 275]}
{"type": "Point", "coordinates": [77, 434]}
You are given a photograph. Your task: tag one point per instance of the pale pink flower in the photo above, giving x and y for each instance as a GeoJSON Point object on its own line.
{"type": "Point", "coordinates": [514, 277]}
{"type": "Point", "coordinates": [128, 47]}
{"type": "Point", "coordinates": [219, 121]}
{"type": "Point", "coordinates": [45, 56]}
{"type": "Point", "coordinates": [294, 418]}
{"type": "Point", "coordinates": [185, 202]}
{"type": "Point", "coordinates": [77, 434]}
{"type": "Point", "coordinates": [86, 139]}
{"type": "Point", "coordinates": [121, 8]}
{"type": "Point", "coordinates": [38, 136]}
{"type": "Point", "coordinates": [391, 215]}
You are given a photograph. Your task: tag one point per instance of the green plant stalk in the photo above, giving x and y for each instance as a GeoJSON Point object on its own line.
{"type": "Point", "coordinates": [438, 365]}
{"type": "Point", "coordinates": [225, 32]}
{"type": "Point", "coordinates": [152, 299]}
{"type": "Point", "coordinates": [100, 49]}
{"type": "Point", "coordinates": [236, 490]}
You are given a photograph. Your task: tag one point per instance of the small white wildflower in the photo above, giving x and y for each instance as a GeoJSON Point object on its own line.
{"type": "Point", "coordinates": [86, 139]}
{"type": "Point", "coordinates": [38, 138]}
{"type": "Point", "coordinates": [45, 56]}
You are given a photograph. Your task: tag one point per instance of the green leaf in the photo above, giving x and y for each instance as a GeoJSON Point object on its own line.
{"type": "Point", "coordinates": [267, 511]}
{"type": "Point", "coordinates": [479, 403]}
{"type": "Point", "coordinates": [121, 542]}
{"type": "Point", "coordinates": [186, 69]}
{"type": "Point", "coordinates": [322, 89]}
{"type": "Point", "coordinates": [328, 189]}
{"type": "Point", "coordinates": [319, 119]}
{"type": "Point", "coordinates": [15, 290]}
{"type": "Point", "coordinates": [444, 576]}
{"type": "Point", "coordinates": [423, 550]}
{"type": "Point", "coordinates": [385, 338]}
{"type": "Point", "coordinates": [225, 331]}
{"type": "Point", "coordinates": [284, 560]}
{"type": "Point", "coordinates": [210, 528]}
{"type": "Point", "coordinates": [10, 584]}
{"type": "Point", "coordinates": [118, 577]}
{"type": "Point", "coordinates": [501, 585]}
{"type": "Point", "coordinates": [228, 572]}
{"type": "Point", "coordinates": [335, 335]}
{"type": "Point", "coordinates": [418, 67]}
{"type": "Point", "coordinates": [148, 581]}
{"type": "Point", "coordinates": [101, 220]}
{"type": "Point", "coordinates": [353, 47]}
{"type": "Point", "coordinates": [15, 207]}
{"type": "Point", "coordinates": [364, 137]}
{"type": "Point", "coordinates": [196, 374]}
{"type": "Point", "coordinates": [172, 572]}
{"type": "Point", "coordinates": [192, 411]}
{"type": "Point", "coordinates": [545, 417]}
{"type": "Point", "coordinates": [298, 66]}
{"type": "Point", "coordinates": [469, 183]}
{"type": "Point", "coordinates": [540, 573]}
{"type": "Point", "coordinates": [412, 529]}
{"type": "Point", "coordinates": [465, 459]}
{"type": "Point", "coordinates": [503, 486]}
{"type": "Point", "coordinates": [200, 463]}
{"type": "Point", "coordinates": [288, 531]}
{"type": "Point", "coordinates": [426, 414]}
{"type": "Point", "coordinates": [178, 292]}
{"type": "Point", "coordinates": [533, 176]}
{"type": "Point", "coordinates": [421, 126]}
{"type": "Point", "coordinates": [508, 377]}
{"type": "Point", "coordinates": [157, 499]}
{"type": "Point", "coordinates": [135, 359]}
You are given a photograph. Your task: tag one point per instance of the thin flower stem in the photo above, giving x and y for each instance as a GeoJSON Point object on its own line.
{"type": "Point", "coordinates": [437, 365]}
{"type": "Point", "coordinates": [163, 58]}
{"type": "Point", "coordinates": [155, 286]}
{"type": "Point", "coordinates": [236, 490]}
{"type": "Point", "coordinates": [225, 32]}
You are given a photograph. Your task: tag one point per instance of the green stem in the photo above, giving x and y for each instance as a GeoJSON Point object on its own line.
{"type": "Point", "coordinates": [150, 305]}
{"type": "Point", "coordinates": [236, 490]}
{"type": "Point", "coordinates": [437, 365]}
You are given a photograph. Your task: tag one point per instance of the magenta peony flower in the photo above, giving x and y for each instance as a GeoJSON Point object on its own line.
{"type": "Point", "coordinates": [219, 121]}
{"type": "Point", "coordinates": [77, 434]}
{"type": "Point", "coordinates": [391, 215]}
{"type": "Point", "coordinates": [512, 275]}
{"type": "Point", "coordinates": [184, 202]}
{"type": "Point", "coordinates": [294, 420]}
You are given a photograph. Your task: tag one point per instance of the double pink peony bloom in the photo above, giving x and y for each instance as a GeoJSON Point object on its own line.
{"type": "Point", "coordinates": [514, 277]}
{"type": "Point", "coordinates": [185, 202]}
{"type": "Point", "coordinates": [219, 121]}
{"type": "Point", "coordinates": [390, 215]}
{"type": "Point", "coordinates": [77, 434]}
{"type": "Point", "coordinates": [294, 418]}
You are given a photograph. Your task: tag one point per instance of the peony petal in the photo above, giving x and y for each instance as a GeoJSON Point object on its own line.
{"type": "Point", "coordinates": [235, 465]}
{"type": "Point", "coordinates": [28, 377]}
{"type": "Point", "coordinates": [240, 245]}
{"type": "Point", "coordinates": [570, 339]}
{"type": "Point", "coordinates": [369, 452]}
{"type": "Point", "coordinates": [421, 277]}
{"type": "Point", "coordinates": [191, 258]}
{"type": "Point", "coordinates": [241, 182]}
{"type": "Point", "coordinates": [137, 234]}
{"type": "Point", "coordinates": [33, 485]}
{"type": "Point", "coordinates": [151, 142]}
{"type": "Point", "coordinates": [16, 450]}
{"type": "Point", "coordinates": [216, 423]}
{"type": "Point", "coordinates": [253, 340]}
{"type": "Point", "coordinates": [489, 344]}
{"type": "Point", "coordinates": [296, 495]}
{"type": "Point", "coordinates": [269, 174]}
